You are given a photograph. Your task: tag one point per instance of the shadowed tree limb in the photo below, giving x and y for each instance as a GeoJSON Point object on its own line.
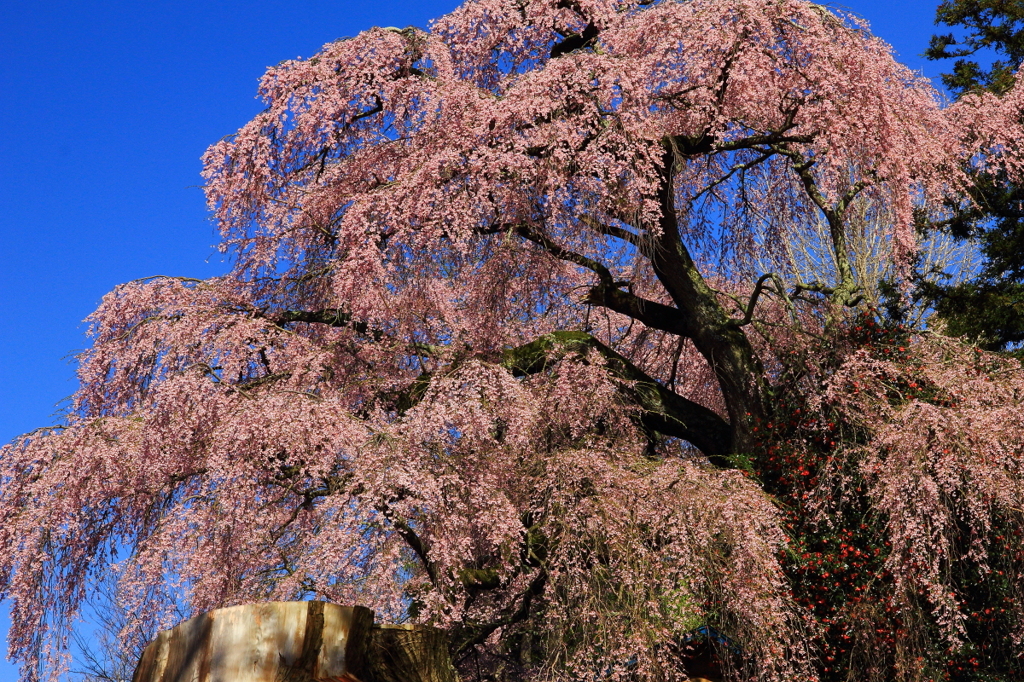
{"type": "Point", "coordinates": [662, 410]}
{"type": "Point", "coordinates": [482, 632]}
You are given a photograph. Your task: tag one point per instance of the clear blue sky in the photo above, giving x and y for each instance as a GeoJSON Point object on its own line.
{"type": "Point", "coordinates": [105, 109]}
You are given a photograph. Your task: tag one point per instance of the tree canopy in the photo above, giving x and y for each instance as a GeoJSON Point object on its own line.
{"type": "Point", "coordinates": [514, 344]}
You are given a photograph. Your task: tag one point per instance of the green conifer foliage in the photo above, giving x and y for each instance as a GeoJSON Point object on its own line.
{"type": "Point", "coordinates": [989, 308]}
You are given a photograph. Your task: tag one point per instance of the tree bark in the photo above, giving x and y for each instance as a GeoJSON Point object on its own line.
{"type": "Point", "coordinates": [410, 653]}
{"type": "Point", "coordinates": [724, 345]}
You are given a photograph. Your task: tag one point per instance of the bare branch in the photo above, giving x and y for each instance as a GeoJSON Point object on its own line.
{"type": "Point", "coordinates": [562, 253]}
{"type": "Point", "coordinates": [845, 293]}
{"type": "Point", "coordinates": [749, 314]}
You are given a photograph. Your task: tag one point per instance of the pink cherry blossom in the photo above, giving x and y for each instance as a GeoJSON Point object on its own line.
{"type": "Point", "coordinates": [492, 343]}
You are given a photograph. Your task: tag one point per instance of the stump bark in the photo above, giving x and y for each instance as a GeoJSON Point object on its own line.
{"type": "Point", "coordinates": [410, 653]}
{"type": "Point", "coordinates": [295, 642]}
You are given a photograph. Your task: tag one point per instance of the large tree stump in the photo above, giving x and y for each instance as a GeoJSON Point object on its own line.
{"type": "Point", "coordinates": [410, 653]}
{"type": "Point", "coordinates": [275, 642]}
{"type": "Point", "coordinates": [295, 642]}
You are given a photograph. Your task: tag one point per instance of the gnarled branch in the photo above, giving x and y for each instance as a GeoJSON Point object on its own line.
{"type": "Point", "coordinates": [662, 410]}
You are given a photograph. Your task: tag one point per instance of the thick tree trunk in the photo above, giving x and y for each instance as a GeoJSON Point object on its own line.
{"type": "Point", "coordinates": [722, 343]}
{"type": "Point", "coordinates": [295, 642]}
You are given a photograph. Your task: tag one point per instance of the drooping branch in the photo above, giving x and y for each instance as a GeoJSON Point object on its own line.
{"type": "Point", "coordinates": [576, 41]}
{"type": "Point", "coordinates": [608, 293]}
{"type": "Point", "coordinates": [699, 145]}
{"type": "Point", "coordinates": [612, 230]}
{"type": "Point", "coordinates": [461, 648]}
{"type": "Point", "coordinates": [759, 288]}
{"type": "Point", "coordinates": [334, 317]}
{"type": "Point", "coordinates": [662, 410]}
{"type": "Point", "coordinates": [336, 484]}
{"type": "Point", "coordinates": [416, 543]}
{"type": "Point", "coordinates": [736, 168]}
{"type": "Point", "coordinates": [604, 275]}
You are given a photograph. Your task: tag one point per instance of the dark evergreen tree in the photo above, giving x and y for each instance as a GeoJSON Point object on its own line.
{"type": "Point", "coordinates": [993, 27]}
{"type": "Point", "coordinates": [990, 307]}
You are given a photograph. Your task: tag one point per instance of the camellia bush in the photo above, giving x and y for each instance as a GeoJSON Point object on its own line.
{"type": "Point", "coordinates": [513, 345]}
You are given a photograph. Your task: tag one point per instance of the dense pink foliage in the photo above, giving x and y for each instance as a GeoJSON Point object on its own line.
{"type": "Point", "coordinates": [473, 143]}
{"type": "Point", "coordinates": [436, 198]}
{"type": "Point", "coordinates": [946, 425]}
{"type": "Point", "coordinates": [206, 478]}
